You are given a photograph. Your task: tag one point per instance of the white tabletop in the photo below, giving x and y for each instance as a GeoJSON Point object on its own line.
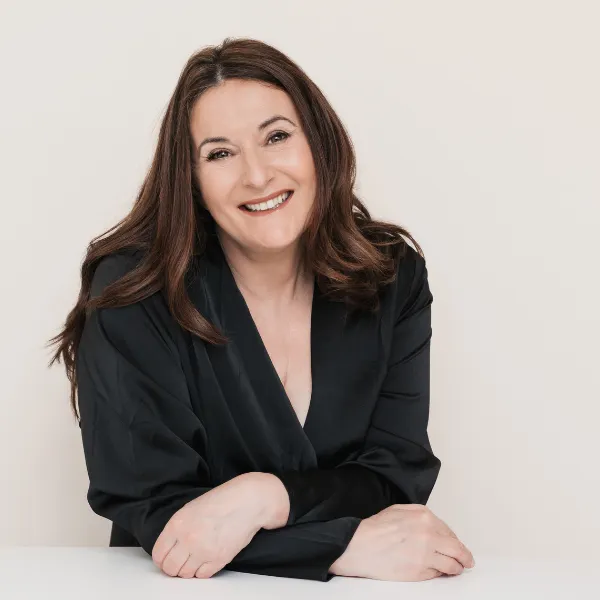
{"type": "Point", "coordinates": [129, 573]}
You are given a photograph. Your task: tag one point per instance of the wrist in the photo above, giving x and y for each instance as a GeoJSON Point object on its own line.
{"type": "Point", "coordinates": [339, 566]}
{"type": "Point", "coordinates": [274, 500]}
{"type": "Point", "coordinates": [348, 564]}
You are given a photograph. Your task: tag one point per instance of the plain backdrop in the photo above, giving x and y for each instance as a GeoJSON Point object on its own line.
{"type": "Point", "coordinates": [476, 126]}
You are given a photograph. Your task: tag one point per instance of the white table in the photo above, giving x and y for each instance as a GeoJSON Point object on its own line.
{"type": "Point", "coordinates": [87, 573]}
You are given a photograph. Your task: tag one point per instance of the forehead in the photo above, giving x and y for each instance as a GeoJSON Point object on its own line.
{"type": "Point", "coordinates": [237, 106]}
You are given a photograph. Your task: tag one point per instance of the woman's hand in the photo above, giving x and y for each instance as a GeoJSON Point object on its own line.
{"type": "Point", "coordinates": [208, 532]}
{"type": "Point", "coordinates": [403, 542]}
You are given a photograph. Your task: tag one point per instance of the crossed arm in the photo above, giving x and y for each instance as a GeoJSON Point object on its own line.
{"type": "Point", "coordinates": [144, 465]}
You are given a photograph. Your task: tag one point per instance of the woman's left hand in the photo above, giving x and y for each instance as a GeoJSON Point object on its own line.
{"type": "Point", "coordinates": [208, 532]}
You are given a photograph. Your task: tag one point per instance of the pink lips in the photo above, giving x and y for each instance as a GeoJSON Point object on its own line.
{"type": "Point", "coordinates": [258, 213]}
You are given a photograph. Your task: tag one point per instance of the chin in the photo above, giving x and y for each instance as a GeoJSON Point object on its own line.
{"type": "Point", "coordinates": [277, 244]}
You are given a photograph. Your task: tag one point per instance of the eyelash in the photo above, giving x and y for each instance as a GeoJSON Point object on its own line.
{"type": "Point", "coordinates": [212, 155]}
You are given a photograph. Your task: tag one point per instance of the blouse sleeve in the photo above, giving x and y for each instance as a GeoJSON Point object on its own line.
{"type": "Point", "coordinates": [396, 464]}
{"type": "Point", "coordinates": [145, 448]}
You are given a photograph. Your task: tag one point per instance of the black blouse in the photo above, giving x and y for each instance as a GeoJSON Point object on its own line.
{"type": "Point", "coordinates": [166, 417]}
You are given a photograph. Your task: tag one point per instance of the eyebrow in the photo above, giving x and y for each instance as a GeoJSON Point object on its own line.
{"type": "Point", "coordinates": [260, 128]}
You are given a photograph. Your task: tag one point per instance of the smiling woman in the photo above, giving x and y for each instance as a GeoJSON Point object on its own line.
{"type": "Point", "coordinates": [250, 349]}
{"type": "Point", "coordinates": [241, 155]}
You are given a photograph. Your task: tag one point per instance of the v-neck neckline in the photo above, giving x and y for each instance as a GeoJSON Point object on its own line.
{"type": "Point", "coordinates": [259, 345]}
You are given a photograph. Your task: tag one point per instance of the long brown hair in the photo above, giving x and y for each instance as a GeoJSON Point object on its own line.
{"type": "Point", "coordinates": [352, 255]}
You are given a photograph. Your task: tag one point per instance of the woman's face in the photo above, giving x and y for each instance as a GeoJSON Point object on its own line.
{"type": "Point", "coordinates": [252, 161]}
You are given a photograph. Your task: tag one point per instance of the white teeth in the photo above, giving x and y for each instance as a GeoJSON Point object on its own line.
{"type": "Point", "coordinates": [270, 203]}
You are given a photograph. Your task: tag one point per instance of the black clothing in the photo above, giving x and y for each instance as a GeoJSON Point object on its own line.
{"type": "Point", "coordinates": [166, 417]}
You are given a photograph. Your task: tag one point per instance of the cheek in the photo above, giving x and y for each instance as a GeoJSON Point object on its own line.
{"type": "Point", "coordinates": [300, 164]}
{"type": "Point", "coordinates": [308, 164]}
{"type": "Point", "coordinates": [215, 189]}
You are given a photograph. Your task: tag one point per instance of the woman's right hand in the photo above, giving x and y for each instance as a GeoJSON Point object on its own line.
{"type": "Point", "coordinates": [403, 542]}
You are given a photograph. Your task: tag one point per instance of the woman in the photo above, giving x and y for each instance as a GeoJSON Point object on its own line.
{"type": "Point", "coordinates": [250, 350]}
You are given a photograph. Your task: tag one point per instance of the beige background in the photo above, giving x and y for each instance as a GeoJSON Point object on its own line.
{"type": "Point", "coordinates": [476, 126]}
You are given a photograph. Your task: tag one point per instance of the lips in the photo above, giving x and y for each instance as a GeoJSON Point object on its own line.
{"type": "Point", "coordinates": [268, 211]}
{"type": "Point", "coordinates": [265, 199]}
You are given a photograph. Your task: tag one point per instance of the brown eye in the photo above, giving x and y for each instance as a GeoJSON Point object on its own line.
{"type": "Point", "coordinates": [284, 133]}
{"type": "Point", "coordinates": [214, 155]}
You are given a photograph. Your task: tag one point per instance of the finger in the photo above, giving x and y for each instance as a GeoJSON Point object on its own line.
{"type": "Point", "coordinates": [444, 524]}
{"type": "Point", "coordinates": [455, 549]}
{"type": "Point", "coordinates": [449, 533]}
{"type": "Point", "coordinates": [431, 574]}
{"type": "Point", "coordinates": [465, 548]}
{"type": "Point", "coordinates": [207, 569]}
{"type": "Point", "coordinates": [176, 558]}
{"type": "Point", "coordinates": [446, 564]}
{"type": "Point", "coordinates": [162, 547]}
{"type": "Point", "coordinates": [444, 530]}
{"type": "Point", "coordinates": [191, 565]}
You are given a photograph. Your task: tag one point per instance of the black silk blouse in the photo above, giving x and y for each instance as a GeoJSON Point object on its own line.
{"type": "Point", "coordinates": [166, 417]}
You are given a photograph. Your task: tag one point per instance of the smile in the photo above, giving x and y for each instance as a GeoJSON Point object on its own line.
{"type": "Point", "coordinates": [269, 206]}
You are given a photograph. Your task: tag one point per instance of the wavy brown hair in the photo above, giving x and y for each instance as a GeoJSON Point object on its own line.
{"type": "Point", "coordinates": [352, 255]}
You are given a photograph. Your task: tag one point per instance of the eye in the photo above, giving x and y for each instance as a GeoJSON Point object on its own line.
{"type": "Point", "coordinates": [215, 154]}
{"type": "Point", "coordinates": [284, 133]}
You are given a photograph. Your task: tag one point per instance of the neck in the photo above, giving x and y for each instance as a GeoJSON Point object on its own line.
{"type": "Point", "coordinates": [271, 277]}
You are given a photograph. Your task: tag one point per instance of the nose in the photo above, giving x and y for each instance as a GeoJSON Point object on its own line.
{"type": "Point", "coordinates": [257, 171]}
